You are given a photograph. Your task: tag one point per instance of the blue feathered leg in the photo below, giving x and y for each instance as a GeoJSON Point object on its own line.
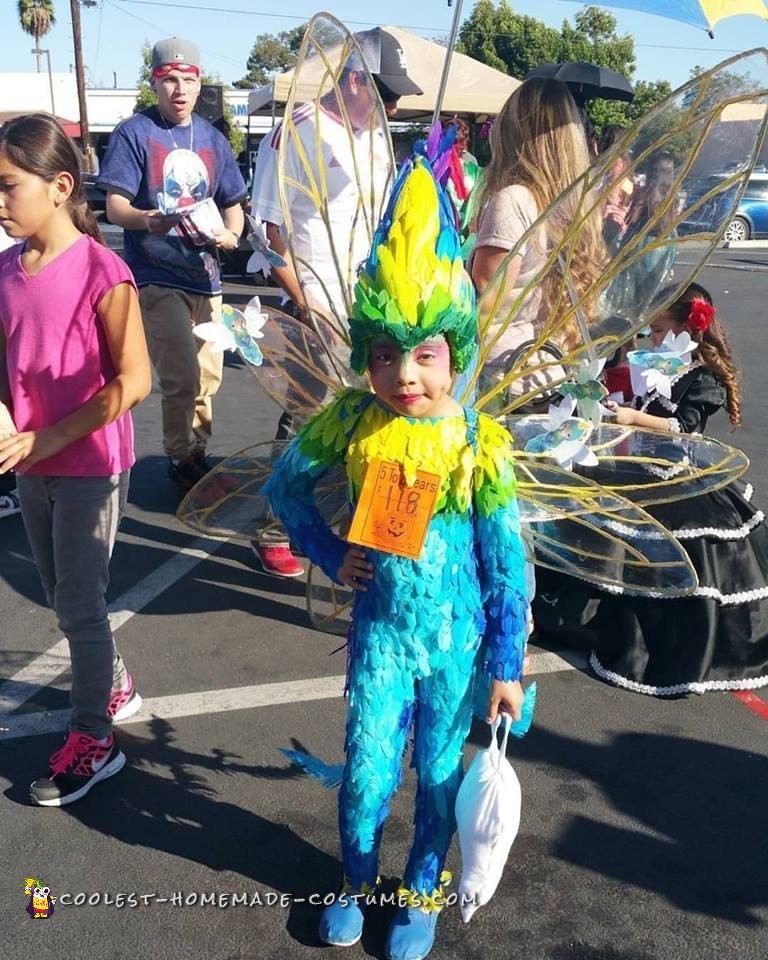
{"type": "Point", "coordinates": [379, 717]}
{"type": "Point", "coordinates": [442, 721]}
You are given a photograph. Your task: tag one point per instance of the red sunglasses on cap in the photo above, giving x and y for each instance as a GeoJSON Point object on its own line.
{"type": "Point", "coordinates": [181, 67]}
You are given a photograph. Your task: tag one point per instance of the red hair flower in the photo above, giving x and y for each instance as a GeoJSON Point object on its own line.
{"type": "Point", "coordinates": [700, 315]}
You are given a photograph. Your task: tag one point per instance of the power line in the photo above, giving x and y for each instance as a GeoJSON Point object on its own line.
{"type": "Point", "coordinates": [159, 29]}
{"type": "Point", "coordinates": [266, 13]}
{"type": "Point", "coordinates": [371, 23]}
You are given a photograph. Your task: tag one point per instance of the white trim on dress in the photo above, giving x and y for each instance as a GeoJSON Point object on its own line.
{"type": "Point", "coordinates": [675, 689]}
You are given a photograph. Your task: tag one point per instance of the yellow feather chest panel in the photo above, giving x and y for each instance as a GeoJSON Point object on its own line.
{"type": "Point", "coordinates": [439, 446]}
{"type": "Point", "coordinates": [355, 429]}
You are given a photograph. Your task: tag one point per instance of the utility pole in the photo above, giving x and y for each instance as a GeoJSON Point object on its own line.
{"type": "Point", "coordinates": [447, 62]}
{"type": "Point", "coordinates": [77, 39]}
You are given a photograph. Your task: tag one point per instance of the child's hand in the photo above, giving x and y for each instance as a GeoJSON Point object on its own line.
{"type": "Point", "coordinates": [22, 450]}
{"type": "Point", "coordinates": [355, 569]}
{"type": "Point", "coordinates": [506, 697]}
{"type": "Point", "coordinates": [621, 415]}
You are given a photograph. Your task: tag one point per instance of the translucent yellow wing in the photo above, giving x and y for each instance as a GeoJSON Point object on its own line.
{"type": "Point", "coordinates": [336, 166]}
{"type": "Point", "coordinates": [645, 466]}
{"type": "Point", "coordinates": [574, 300]}
{"type": "Point", "coordinates": [228, 502]}
{"type": "Point", "coordinates": [303, 366]}
{"type": "Point", "coordinates": [577, 526]}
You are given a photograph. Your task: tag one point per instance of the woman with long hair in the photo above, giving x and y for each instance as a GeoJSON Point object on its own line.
{"type": "Point", "coordinates": [538, 150]}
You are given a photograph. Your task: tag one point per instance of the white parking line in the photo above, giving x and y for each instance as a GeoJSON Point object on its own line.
{"type": "Point", "coordinates": [44, 669]}
{"type": "Point", "coordinates": [241, 698]}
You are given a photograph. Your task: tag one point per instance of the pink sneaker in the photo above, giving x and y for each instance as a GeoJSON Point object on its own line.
{"type": "Point", "coordinates": [75, 768]}
{"type": "Point", "coordinates": [9, 504]}
{"type": "Point", "coordinates": [124, 703]}
{"type": "Point", "coordinates": [276, 559]}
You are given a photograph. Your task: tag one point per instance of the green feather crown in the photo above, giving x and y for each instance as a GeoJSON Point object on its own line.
{"type": "Point", "coordinates": [413, 286]}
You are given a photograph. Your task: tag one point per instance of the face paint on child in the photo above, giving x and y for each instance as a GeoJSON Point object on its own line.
{"type": "Point", "coordinates": [416, 383]}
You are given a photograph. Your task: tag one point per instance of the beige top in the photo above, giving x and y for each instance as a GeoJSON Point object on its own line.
{"type": "Point", "coordinates": [503, 221]}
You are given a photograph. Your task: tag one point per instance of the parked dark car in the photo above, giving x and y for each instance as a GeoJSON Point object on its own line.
{"type": "Point", "coordinates": [97, 199]}
{"type": "Point", "coordinates": [749, 222]}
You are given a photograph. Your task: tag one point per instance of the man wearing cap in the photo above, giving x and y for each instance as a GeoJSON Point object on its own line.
{"type": "Point", "coordinates": [159, 162]}
{"type": "Point", "coordinates": [352, 162]}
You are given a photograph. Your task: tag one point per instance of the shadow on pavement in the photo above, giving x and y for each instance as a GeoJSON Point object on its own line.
{"type": "Point", "coordinates": [698, 812]}
{"type": "Point", "coordinates": [166, 800]}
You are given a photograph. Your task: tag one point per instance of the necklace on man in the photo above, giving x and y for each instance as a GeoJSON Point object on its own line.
{"type": "Point", "coordinates": [170, 134]}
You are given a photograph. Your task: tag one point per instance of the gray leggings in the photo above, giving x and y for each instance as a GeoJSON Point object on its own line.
{"type": "Point", "coordinates": [71, 523]}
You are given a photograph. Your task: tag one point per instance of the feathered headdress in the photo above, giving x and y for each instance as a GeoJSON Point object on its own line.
{"type": "Point", "coordinates": [414, 286]}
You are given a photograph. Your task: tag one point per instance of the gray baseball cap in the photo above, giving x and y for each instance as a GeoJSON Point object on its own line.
{"type": "Point", "coordinates": [175, 51]}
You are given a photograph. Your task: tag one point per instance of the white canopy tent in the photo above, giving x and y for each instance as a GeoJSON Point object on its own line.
{"type": "Point", "coordinates": [473, 89]}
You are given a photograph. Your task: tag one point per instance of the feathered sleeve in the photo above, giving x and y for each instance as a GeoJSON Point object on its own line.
{"type": "Point", "coordinates": [320, 444]}
{"type": "Point", "coordinates": [502, 560]}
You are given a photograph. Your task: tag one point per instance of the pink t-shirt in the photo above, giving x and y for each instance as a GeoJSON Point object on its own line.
{"type": "Point", "coordinates": [57, 355]}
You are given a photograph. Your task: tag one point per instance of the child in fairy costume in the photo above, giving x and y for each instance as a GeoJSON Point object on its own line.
{"type": "Point", "coordinates": [421, 626]}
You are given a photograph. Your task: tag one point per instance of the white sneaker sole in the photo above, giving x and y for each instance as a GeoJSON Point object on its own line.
{"type": "Point", "coordinates": [128, 709]}
{"type": "Point", "coordinates": [340, 943]}
{"type": "Point", "coordinates": [108, 770]}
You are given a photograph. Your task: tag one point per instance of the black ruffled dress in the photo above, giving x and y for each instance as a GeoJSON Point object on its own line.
{"type": "Point", "coordinates": [716, 639]}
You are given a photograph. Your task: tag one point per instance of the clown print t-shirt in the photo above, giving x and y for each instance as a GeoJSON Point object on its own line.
{"type": "Point", "coordinates": [159, 166]}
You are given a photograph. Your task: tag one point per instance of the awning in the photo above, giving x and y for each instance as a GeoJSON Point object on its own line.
{"type": "Point", "coordinates": [70, 127]}
{"type": "Point", "coordinates": [474, 89]}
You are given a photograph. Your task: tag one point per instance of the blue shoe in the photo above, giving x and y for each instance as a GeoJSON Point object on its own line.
{"type": "Point", "coordinates": [341, 923]}
{"type": "Point", "coordinates": [411, 934]}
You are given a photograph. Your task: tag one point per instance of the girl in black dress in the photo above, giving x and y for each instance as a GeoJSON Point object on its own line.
{"type": "Point", "coordinates": [716, 639]}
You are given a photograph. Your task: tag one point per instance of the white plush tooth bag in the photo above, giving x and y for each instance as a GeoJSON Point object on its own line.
{"type": "Point", "coordinates": [488, 818]}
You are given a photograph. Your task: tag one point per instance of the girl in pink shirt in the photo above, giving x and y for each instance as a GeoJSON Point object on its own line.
{"type": "Point", "coordinates": [73, 361]}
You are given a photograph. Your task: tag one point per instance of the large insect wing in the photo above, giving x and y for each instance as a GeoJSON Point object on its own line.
{"type": "Point", "coordinates": [322, 156]}
{"type": "Point", "coordinates": [228, 502]}
{"type": "Point", "coordinates": [694, 152]}
{"type": "Point", "coordinates": [646, 466]}
{"type": "Point", "coordinates": [303, 368]}
{"type": "Point", "coordinates": [576, 526]}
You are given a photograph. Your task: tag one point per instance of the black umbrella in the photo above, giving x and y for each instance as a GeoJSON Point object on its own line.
{"type": "Point", "coordinates": [586, 80]}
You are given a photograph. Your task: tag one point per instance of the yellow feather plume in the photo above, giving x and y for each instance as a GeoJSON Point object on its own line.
{"type": "Point", "coordinates": [408, 267]}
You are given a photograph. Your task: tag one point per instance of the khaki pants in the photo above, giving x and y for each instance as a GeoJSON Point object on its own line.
{"type": "Point", "coordinates": [189, 373]}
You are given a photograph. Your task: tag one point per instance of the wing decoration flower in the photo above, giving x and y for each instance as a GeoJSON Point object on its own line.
{"type": "Point", "coordinates": [237, 332]}
{"type": "Point", "coordinates": [655, 369]}
{"type": "Point", "coordinates": [587, 390]}
{"type": "Point", "coordinates": [565, 438]}
{"type": "Point", "coordinates": [263, 257]}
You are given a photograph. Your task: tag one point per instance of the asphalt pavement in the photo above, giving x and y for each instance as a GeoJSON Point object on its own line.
{"type": "Point", "coordinates": [644, 823]}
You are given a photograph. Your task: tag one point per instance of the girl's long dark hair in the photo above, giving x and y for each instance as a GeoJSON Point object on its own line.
{"type": "Point", "coordinates": [37, 144]}
{"type": "Point", "coordinates": [714, 349]}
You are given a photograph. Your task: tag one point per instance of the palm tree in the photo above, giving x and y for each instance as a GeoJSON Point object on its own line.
{"type": "Point", "coordinates": [36, 18]}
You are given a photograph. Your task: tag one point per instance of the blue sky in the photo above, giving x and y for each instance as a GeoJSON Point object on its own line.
{"type": "Point", "coordinates": [114, 32]}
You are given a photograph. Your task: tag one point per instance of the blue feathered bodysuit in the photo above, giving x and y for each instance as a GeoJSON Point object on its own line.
{"type": "Point", "coordinates": [423, 628]}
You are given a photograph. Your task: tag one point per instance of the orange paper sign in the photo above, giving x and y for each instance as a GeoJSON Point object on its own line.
{"type": "Point", "coordinates": [391, 516]}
